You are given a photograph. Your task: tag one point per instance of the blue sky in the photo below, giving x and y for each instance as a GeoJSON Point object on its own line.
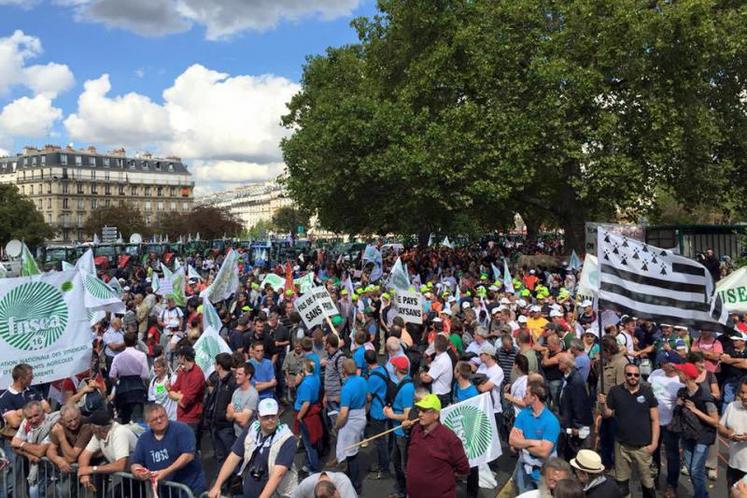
{"type": "Point", "coordinates": [203, 79]}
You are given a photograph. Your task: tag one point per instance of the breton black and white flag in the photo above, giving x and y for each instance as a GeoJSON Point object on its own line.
{"type": "Point", "coordinates": [656, 284]}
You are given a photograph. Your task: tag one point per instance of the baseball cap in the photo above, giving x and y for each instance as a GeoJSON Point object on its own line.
{"type": "Point", "coordinates": [665, 325]}
{"type": "Point", "coordinates": [736, 335]}
{"type": "Point", "coordinates": [400, 363]}
{"type": "Point", "coordinates": [521, 303]}
{"type": "Point", "coordinates": [505, 300]}
{"type": "Point", "coordinates": [487, 348]}
{"type": "Point", "coordinates": [586, 304]}
{"type": "Point", "coordinates": [447, 311]}
{"type": "Point", "coordinates": [555, 313]}
{"type": "Point", "coordinates": [466, 305]}
{"type": "Point", "coordinates": [690, 370]}
{"type": "Point", "coordinates": [429, 402]}
{"type": "Point", "coordinates": [522, 319]}
{"type": "Point", "coordinates": [481, 331]}
{"type": "Point", "coordinates": [496, 310]}
{"type": "Point", "coordinates": [268, 406]}
{"type": "Point", "coordinates": [493, 288]}
{"type": "Point", "coordinates": [535, 309]}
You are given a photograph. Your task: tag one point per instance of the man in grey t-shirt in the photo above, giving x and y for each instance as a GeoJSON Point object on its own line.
{"type": "Point", "coordinates": [340, 482]}
{"type": "Point", "coordinates": [244, 400]}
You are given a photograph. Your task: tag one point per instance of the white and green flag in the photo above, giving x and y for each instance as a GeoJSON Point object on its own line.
{"type": "Point", "coordinates": [3, 271]}
{"type": "Point", "coordinates": [192, 273]}
{"type": "Point", "coordinates": [43, 322]}
{"type": "Point", "coordinates": [114, 284]}
{"type": "Point", "coordinates": [67, 266]}
{"type": "Point", "coordinates": [473, 422]}
{"type": "Point", "coordinates": [99, 296]}
{"type": "Point", "coordinates": [508, 283]}
{"type": "Point", "coordinates": [733, 290]}
{"type": "Point", "coordinates": [207, 347]}
{"type": "Point", "coordinates": [166, 272]}
{"type": "Point", "coordinates": [28, 263]}
{"type": "Point", "coordinates": [210, 317]}
{"type": "Point", "coordinates": [588, 281]}
{"type": "Point", "coordinates": [226, 281]}
{"type": "Point", "coordinates": [276, 281]}
{"type": "Point", "coordinates": [305, 283]}
{"type": "Point", "coordinates": [178, 284]}
{"type": "Point", "coordinates": [398, 278]}
{"type": "Point", "coordinates": [86, 263]}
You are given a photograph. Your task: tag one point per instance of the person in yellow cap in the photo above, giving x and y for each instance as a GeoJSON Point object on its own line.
{"type": "Point", "coordinates": [435, 454]}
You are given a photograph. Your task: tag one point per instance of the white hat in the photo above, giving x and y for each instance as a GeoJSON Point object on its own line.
{"type": "Point", "coordinates": [466, 305]}
{"type": "Point", "coordinates": [555, 313]}
{"type": "Point", "coordinates": [532, 272]}
{"type": "Point", "coordinates": [487, 348]}
{"type": "Point", "coordinates": [446, 311]}
{"type": "Point", "coordinates": [521, 303]}
{"type": "Point", "coordinates": [556, 306]}
{"type": "Point", "coordinates": [126, 288]}
{"type": "Point", "coordinates": [450, 299]}
{"type": "Point", "coordinates": [736, 335]}
{"type": "Point", "coordinates": [436, 320]}
{"type": "Point", "coordinates": [535, 309]}
{"type": "Point", "coordinates": [493, 288]}
{"type": "Point", "coordinates": [502, 307]}
{"type": "Point", "coordinates": [665, 325]}
{"type": "Point", "coordinates": [588, 461]}
{"type": "Point", "coordinates": [522, 319]}
{"type": "Point", "coordinates": [586, 304]}
{"type": "Point", "coordinates": [680, 327]}
{"type": "Point", "coordinates": [268, 406]}
{"type": "Point", "coordinates": [496, 310]}
{"type": "Point", "coordinates": [505, 300]}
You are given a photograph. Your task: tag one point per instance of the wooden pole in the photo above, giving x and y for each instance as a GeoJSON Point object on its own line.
{"type": "Point", "coordinates": [376, 436]}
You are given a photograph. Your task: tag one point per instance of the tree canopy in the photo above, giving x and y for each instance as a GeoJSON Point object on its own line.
{"type": "Point", "coordinates": [209, 221]}
{"type": "Point", "coordinates": [452, 114]}
{"type": "Point", "coordinates": [19, 218]}
{"type": "Point", "coordinates": [127, 218]}
{"type": "Point", "coordinates": [287, 219]}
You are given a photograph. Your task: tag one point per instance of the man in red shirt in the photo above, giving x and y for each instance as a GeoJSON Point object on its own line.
{"type": "Point", "coordinates": [435, 454]}
{"type": "Point", "coordinates": [188, 390]}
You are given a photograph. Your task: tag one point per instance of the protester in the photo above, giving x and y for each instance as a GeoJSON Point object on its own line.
{"type": "Point", "coordinates": [221, 385]}
{"type": "Point", "coordinates": [267, 449]}
{"type": "Point", "coordinates": [435, 454]}
{"type": "Point", "coordinates": [637, 429]}
{"type": "Point", "coordinates": [733, 426]}
{"type": "Point", "coordinates": [377, 385]}
{"type": "Point", "coordinates": [188, 390]}
{"type": "Point", "coordinates": [130, 371]}
{"type": "Point", "coordinates": [403, 402]}
{"type": "Point", "coordinates": [325, 485]}
{"type": "Point", "coordinates": [167, 452]}
{"type": "Point", "coordinates": [351, 421]}
{"type": "Point", "coordinates": [68, 438]}
{"type": "Point", "coordinates": [308, 414]}
{"type": "Point", "coordinates": [666, 383]}
{"type": "Point", "coordinates": [589, 470]}
{"type": "Point", "coordinates": [440, 372]}
{"type": "Point", "coordinates": [553, 471]}
{"type": "Point", "coordinates": [574, 411]}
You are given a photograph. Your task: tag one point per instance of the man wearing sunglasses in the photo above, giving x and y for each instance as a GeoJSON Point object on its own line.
{"type": "Point", "coordinates": [634, 408]}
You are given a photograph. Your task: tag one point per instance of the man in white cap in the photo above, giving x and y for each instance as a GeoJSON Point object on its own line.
{"type": "Point", "coordinates": [267, 449]}
{"type": "Point", "coordinates": [494, 384]}
{"type": "Point", "coordinates": [536, 322]}
{"type": "Point", "coordinates": [733, 364]}
{"type": "Point", "coordinates": [590, 472]}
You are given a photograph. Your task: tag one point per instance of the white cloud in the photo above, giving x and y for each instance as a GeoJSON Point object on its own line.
{"type": "Point", "coordinates": [19, 3]}
{"type": "Point", "coordinates": [228, 127]}
{"type": "Point", "coordinates": [29, 117]}
{"type": "Point", "coordinates": [15, 52]}
{"type": "Point", "coordinates": [130, 119]}
{"type": "Point", "coordinates": [140, 72]}
{"type": "Point", "coordinates": [221, 18]}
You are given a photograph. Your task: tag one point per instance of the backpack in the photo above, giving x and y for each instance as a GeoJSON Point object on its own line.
{"type": "Point", "coordinates": [392, 389]}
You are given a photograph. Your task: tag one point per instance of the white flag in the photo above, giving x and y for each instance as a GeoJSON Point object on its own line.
{"type": "Point", "coordinates": [398, 278]}
{"type": "Point", "coordinates": [226, 281]}
{"type": "Point", "coordinates": [192, 273]}
{"type": "Point", "coordinates": [574, 263]}
{"type": "Point", "coordinates": [508, 282]}
{"type": "Point", "coordinates": [99, 296]}
{"type": "Point", "coordinates": [85, 263]}
{"type": "Point", "coordinates": [473, 422]}
{"type": "Point", "coordinates": [207, 347]}
{"type": "Point", "coordinates": [210, 317]}
{"type": "Point", "coordinates": [446, 243]}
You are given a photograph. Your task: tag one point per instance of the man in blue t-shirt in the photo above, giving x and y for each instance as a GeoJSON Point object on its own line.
{"type": "Point", "coordinates": [307, 406]}
{"type": "Point", "coordinates": [264, 373]}
{"type": "Point", "coordinates": [377, 388]}
{"type": "Point", "coordinates": [535, 435]}
{"type": "Point", "coordinates": [351, 421]}
{"type": "Point", "coordinates": [167, 451]}
{"type": "Point", "coordinates": [398, 413]}
{"type": "Point", "coordinates": [359, 354]}
{"type": "Point", "coordinates": [308, 350]}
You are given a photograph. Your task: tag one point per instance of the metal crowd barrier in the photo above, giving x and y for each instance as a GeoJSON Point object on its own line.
{"type": "Point", "coordinates": [51, 482]}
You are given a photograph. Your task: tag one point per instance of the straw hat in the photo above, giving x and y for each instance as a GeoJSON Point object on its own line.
{"type": "Point", "coordinates": [588, 461]}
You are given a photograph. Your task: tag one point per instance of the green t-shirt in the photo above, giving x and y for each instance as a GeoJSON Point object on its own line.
{"type": "Point", "coordinates": [456, 340]}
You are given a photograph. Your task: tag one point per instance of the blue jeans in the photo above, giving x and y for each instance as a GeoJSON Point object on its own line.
{"type": "Point", "coordinates": [695, 455]}
{"type": "Point", "coordinates": [332, 406]}
{"type": "Point", "coordinates": [607, 441]}
{"type": "Point", "coordinates": [672, 446]}
{"type": "Point", "coordinates": [312, 455]}
{"type": "Point", "coordinates": [555, 388]}
{"type": "Point", "coordinates": [523, 481]}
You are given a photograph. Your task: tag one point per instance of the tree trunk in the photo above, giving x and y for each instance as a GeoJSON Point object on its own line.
{"type": "Point", "coordinates": [575, 235]}
{"type": "Point", "coordinates": [532, 226]}
{"type": "Point", "coordinates": [423, 237]}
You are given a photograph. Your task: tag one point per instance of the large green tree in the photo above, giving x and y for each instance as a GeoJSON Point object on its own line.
{"type": "Point", "coordinates": [563, 111]}
{"type": "Point", "coordinates": [287, 219]}
{"type": "Point", "coordinates": [209, 221]}
{"type": "Point", "coordinates": [19, 218]}
{"type": "Point", "coordinates": [127, 218]}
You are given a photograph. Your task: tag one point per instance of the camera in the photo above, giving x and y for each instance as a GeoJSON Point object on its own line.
{"type": "Point", "coordinates": [257, 473]}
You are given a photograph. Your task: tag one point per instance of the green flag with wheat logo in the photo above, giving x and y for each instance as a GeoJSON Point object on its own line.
{"type": "Point", "coordinates": [473, 422]}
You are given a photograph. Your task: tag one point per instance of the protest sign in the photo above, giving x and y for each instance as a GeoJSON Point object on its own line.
{"type": "Point", "coordinates": [408, 306]}
{"type": "Point", "coordinates": [40, 322]}
{"type": "Point", "coordinates": [311, 312]}
{"type": "Point", "coordinates": [324, 300]}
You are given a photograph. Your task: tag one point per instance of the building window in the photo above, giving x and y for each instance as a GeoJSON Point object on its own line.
{"type": "Point", "coordinates": [81, 203]}
{"type": "Point", "coordinates": [93, 203]}
{"type": "Point", "coordinates": [92, 161]}
{"type": "Point", "coordinates": [107, 203]}
{"type": "Point", "coordinates": [79, 160]}
{"type": "Point", "coordinates": [120, 162]}
{"type": "Point", "coordinates": [43, 160]}
{"type": "Point", "coordinates": [63, 159]}
{"type": "Point", "coordinates": [65, 203]}
{"type": "Point", "coordinates": [80, 187]}
{"type": "Point", "coordinates": [33, 160]}
{"type": "Point", "coordinates": [159, 191]}
{"type": "Point", "coordinates": [132, 164]}
{"type": "Point", "coordinates": [133, 190]}
{"type": "Point", "coordinates": [158, 166]}
{"type": "Point", "coordinates": [49, 187]}
{"type": "Point", "coordinates": [171, 166]}
{"type": "Point", "coordinates": [107, 162]}
{"type": "Point", "coordinates": [172, 191]}
{"type": "Point", "coordinates": [106, 176]}
{"type": "Point", "coordinates": [49, 203]}
{"type": "Point", "coordinates": [93, 188]}
{"type": "Point", "coordinates": [31, 190]}
{"type": "Point", "coordinates": [121, 190]}
{"type": "Point", "coordinates": [147, 205]}
{"type": "Point", "coordinates": [185, 206]}
{"type": "Point", "coordinates": [93, 175]}
{"type": "Point", "coordinates": [160, 206]}
{"type": "Point", "coordinates": [173, 206]}
{"type": "Point", "coordinates": [79, 220]}
{"type": "Point", "coordinates": [64, 187]}
{"type": "Point", "coordinates": [147, 191]}
{"type": "Point", "coordinates": [107, 189]}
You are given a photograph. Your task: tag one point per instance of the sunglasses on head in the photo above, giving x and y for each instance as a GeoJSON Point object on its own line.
{"type": "Point", "coordinates": [632, 374]}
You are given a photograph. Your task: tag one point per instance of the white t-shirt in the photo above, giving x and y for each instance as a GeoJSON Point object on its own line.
{"type": "Point", "coordinates": [519, 390]}
{"type": "Point", "coordinates": [442, 373]}
{"type": "Point", "coordinates": [158, 393]}
{"type": "Point", "coordinates": [665, 390]}
{"type": "Point", "coordinates": [119, 443]}
{"type": "Point", "coordinates": [495, 375]}
{"type": "Point", "coordinates": [735, 418]}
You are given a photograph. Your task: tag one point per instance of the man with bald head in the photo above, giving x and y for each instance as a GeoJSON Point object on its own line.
{"type": "Point", "coordinates": [574, 409]}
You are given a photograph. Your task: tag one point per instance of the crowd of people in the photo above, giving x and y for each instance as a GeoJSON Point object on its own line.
{"type": "Point", "coordinates": [580, 414]}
